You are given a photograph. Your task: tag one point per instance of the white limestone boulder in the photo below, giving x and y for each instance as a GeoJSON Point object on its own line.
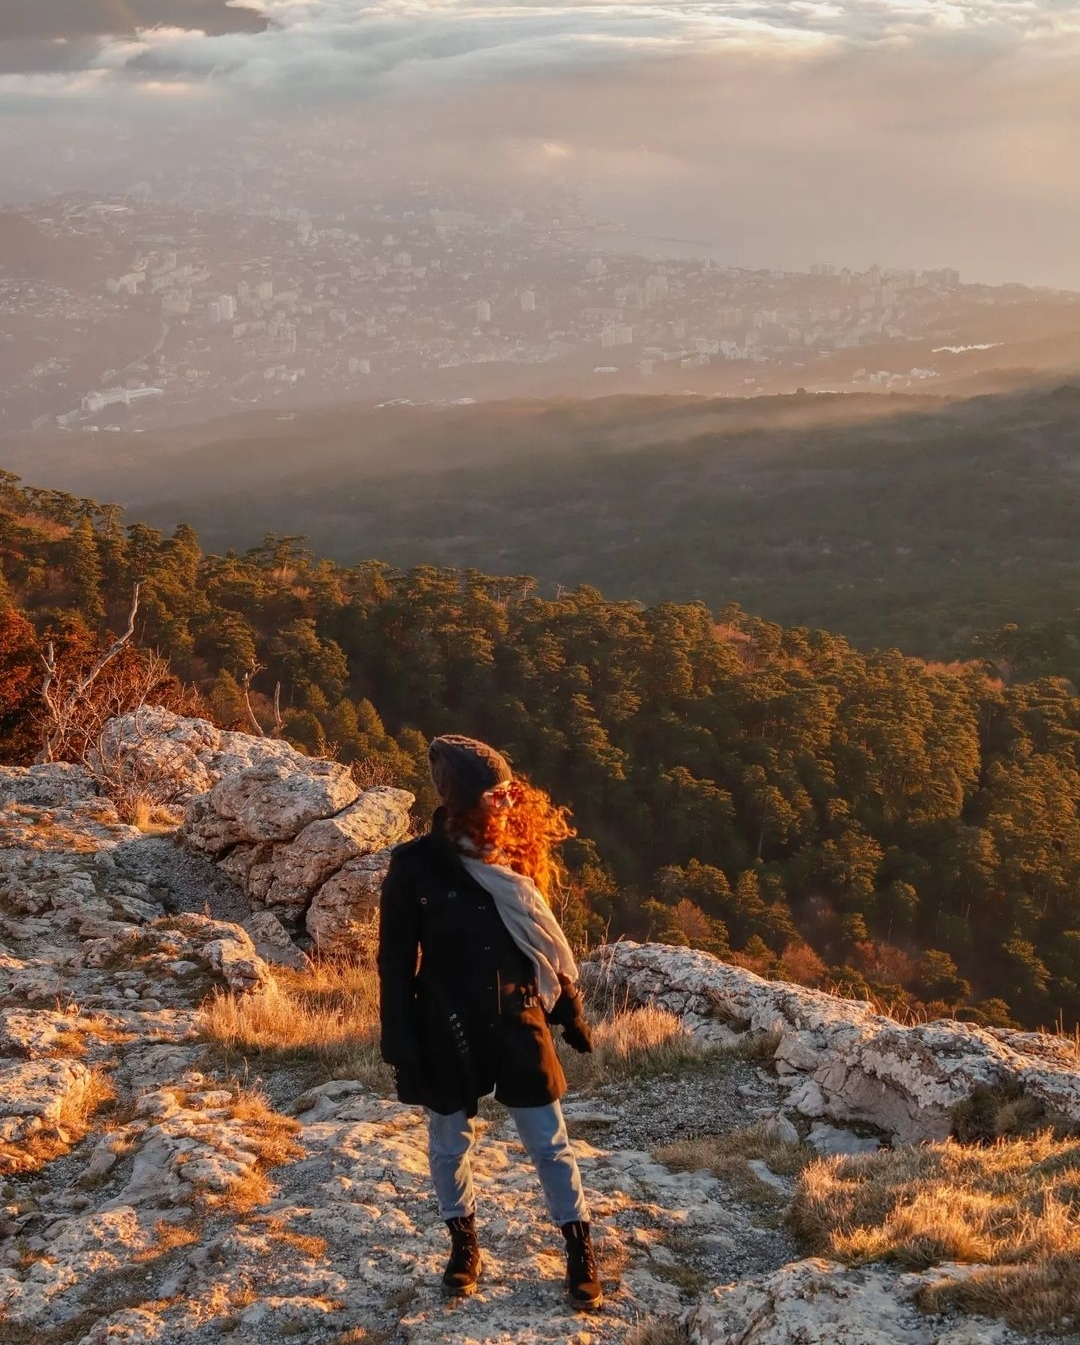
{"type": "Point", "coordinates": [272, 801]}
{"type": "Point", "coordinates": [347, 904]}
{"type": "Point", "coordinates": [817, 1302]}
{"type": "Point", "coordinates": [171, 758]}
{"type": "Point", "coordinates": [379, 818]}
{"type": "Point", "coordinates": [840, 1058]}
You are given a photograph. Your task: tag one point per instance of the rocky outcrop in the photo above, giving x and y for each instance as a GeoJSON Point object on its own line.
{"type": "Point", "coordinates": [344, 911]}
{"type": "Point", "coordinates": [838, 1058]}
{"type": "Point", "coordinates": [56, 807]}
{"type": "Point", "coordinates": [170, 758]}
{"type": "Point", "coordinates": [302, 841]}
{"type": "Point", "coordinates": [819, 1302]}
{"type": "Point", "coordinates": [148, 1194]}
{"type": "Point", "coordinates": [52, 785]}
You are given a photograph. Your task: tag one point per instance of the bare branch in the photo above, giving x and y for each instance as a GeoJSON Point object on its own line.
{"type": "Point", "coordinates": [91, 677]}
{"type": "Point", "coordinates": [279, 723]}
{"type": "Point", "coordinates": [62, 711]}
{"type": "Point", "coordinates": [249, 673]}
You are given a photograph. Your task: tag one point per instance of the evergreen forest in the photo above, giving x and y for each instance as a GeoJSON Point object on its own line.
{"type": "Point", "coordinates": [867, 822]}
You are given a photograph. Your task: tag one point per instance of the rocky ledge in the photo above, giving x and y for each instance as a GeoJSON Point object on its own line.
{"type": "Point", "coordinates": [153, 1190]}
{"type": "Point", "coordinates": [837, 1057]}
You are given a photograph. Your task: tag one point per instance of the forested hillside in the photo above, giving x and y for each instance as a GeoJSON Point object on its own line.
{"type": "Point", "coordinates": [905, 520]}
{"type": "Point", "coordinates": [868, 821]}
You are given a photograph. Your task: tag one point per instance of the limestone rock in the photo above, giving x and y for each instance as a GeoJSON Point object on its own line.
{"type": "Point", "coordinates": [35, 1097]}
{"type": "Point", "coordinates": [166, 947]}
{"type": "Point", "coordinates": [379, 818]}
{"type": "Point", "coordinates": [818, 1302]}
{"type": "Point", "coordinates": [172, 758]}
{"type": "Point", "coordinates": [51, 785]}
{"type": "Point", "coordinates": [71, 826]}
{"type": "Point", "coordinates": [29, 982]}
{"type": "Point", "coordinates": [272, 940]}
{"type": "Point", "coordinates": [272, 801]}
{"type": "Point", "coordinates": [346, 903]}
{"type": "Point", "coordinates": [830, 1140]}
{"type": "Point", "coordinates": [842, 1059]}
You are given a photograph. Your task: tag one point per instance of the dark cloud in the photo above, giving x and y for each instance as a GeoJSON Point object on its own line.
{"type": "Point", "coordinates": [26, 26]}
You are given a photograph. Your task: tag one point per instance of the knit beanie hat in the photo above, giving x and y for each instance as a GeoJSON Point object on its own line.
{"type": "Point", "coordinates": [463, 769]}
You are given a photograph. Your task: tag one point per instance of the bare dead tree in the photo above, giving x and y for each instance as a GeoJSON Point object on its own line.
{"type": "Point", "coordinates": [279, 723]}
{"type": "Point", "coordinates": [65, 705]}
{"type": "Point", "coordinates": [249, 672]}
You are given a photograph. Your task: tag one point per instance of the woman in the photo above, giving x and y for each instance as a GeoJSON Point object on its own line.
{"type": "Point", "coordinates": [472, 968]}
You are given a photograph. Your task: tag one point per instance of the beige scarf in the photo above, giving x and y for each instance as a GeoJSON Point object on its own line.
{"type": "Point", "coordinates": [531, 923]}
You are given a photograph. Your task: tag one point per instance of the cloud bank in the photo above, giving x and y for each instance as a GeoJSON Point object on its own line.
{"type": "Point", "coordinates": [316, 47]}
{"type": "Point", "coordinates": [915, 132]}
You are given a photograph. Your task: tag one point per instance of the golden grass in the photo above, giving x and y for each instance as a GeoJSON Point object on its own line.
{"type": "Point", "coordinates": [271, 1137]}
{"type": "Point", "coordinates": [728, 1157]}
{"type": "Point", "coordinates": [307, 1244]}
{"type": "Point", "coordinates": [659, 1331]}
{"type": "Point", "coordinates": [1011, 1207]}
{"type": "Point", "coordinates": [633, 1044]}
{"type": "Point", "coordinates": [324, 1017]}
{"type": "Point", "coordinates": [56, 1139]}
{"type": "Point", "coordinates": [143, 812]}
{"type": "Point", "coordinates": [73, 1043]}
{"type": "Point", "coordinates": [171, 1237]}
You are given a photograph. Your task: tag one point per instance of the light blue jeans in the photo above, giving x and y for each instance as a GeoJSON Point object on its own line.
{"type": "Point", "coordinates": [543, 1133]}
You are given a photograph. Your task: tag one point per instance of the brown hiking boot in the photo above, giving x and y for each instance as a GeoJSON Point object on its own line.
{"type": "Point", "coordinates": [582, 1276]}
{"type": "Point", "coordinates": [463, 1269]}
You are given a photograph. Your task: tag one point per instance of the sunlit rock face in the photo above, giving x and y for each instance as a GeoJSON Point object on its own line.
{"type": "Point", "coordinates": [837, 1057]}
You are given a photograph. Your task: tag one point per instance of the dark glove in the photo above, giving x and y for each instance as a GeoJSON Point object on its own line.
{"type": "Point", "coordinates": [577, 1036]}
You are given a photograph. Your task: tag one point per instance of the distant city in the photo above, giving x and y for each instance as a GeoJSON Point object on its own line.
{"type": "Point", "coordinates": [137, 308]}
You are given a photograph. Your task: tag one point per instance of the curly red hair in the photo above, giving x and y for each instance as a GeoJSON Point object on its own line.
{"type": "Point", "coordinates": [526, 840]}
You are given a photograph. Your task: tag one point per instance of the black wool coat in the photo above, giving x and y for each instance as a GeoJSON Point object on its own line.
{"type": "Point", "coordinates": [458, 999]}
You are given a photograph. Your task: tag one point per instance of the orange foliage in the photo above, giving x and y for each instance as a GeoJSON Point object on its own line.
{"type": "Point", "coordinates": [20, 678]}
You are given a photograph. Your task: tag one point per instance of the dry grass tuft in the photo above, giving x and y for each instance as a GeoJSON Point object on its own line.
{"type": "Point", "coordinates": [74, 1043]}
{"type": "Point", "coordinates": [1010, 1207]}
{"type": "Point", "coordinates": [171, 1237]}
{"type": "Point", "coordinates": [659, 1331]}
{"type": "Point", "coordinates": [1005, 1111]}
{"type": "Point", "coordinates": [634, 1044]}
{"type": "Point", "coordinates": [141, 811]}
{"type": "Point", "coordinates": [73, 1124]}
{"type": "Point", "coordinates": [267, 1134]}
{"type": "Point", "coordinates": [271, 1137]}
{"type": "Point", "coordinates": [729, 1157]}
{"type": "Point", "coordinates": [324, 1018]}
{"type": "Point", "coordinates": [759, 1048]}
{"type": "Point", "coordinates": [307, 1244]}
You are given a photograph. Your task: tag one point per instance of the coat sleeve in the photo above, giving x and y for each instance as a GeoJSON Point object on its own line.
{"type": "Point", "coordinates": [399, 945]}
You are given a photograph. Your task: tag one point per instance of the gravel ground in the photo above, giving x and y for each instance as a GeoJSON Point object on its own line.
{"type": "Point", "coordinates": [181, 881]}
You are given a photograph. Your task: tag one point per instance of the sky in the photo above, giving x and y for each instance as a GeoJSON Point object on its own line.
{"type": "Point", "coordinates": [909, 132]}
